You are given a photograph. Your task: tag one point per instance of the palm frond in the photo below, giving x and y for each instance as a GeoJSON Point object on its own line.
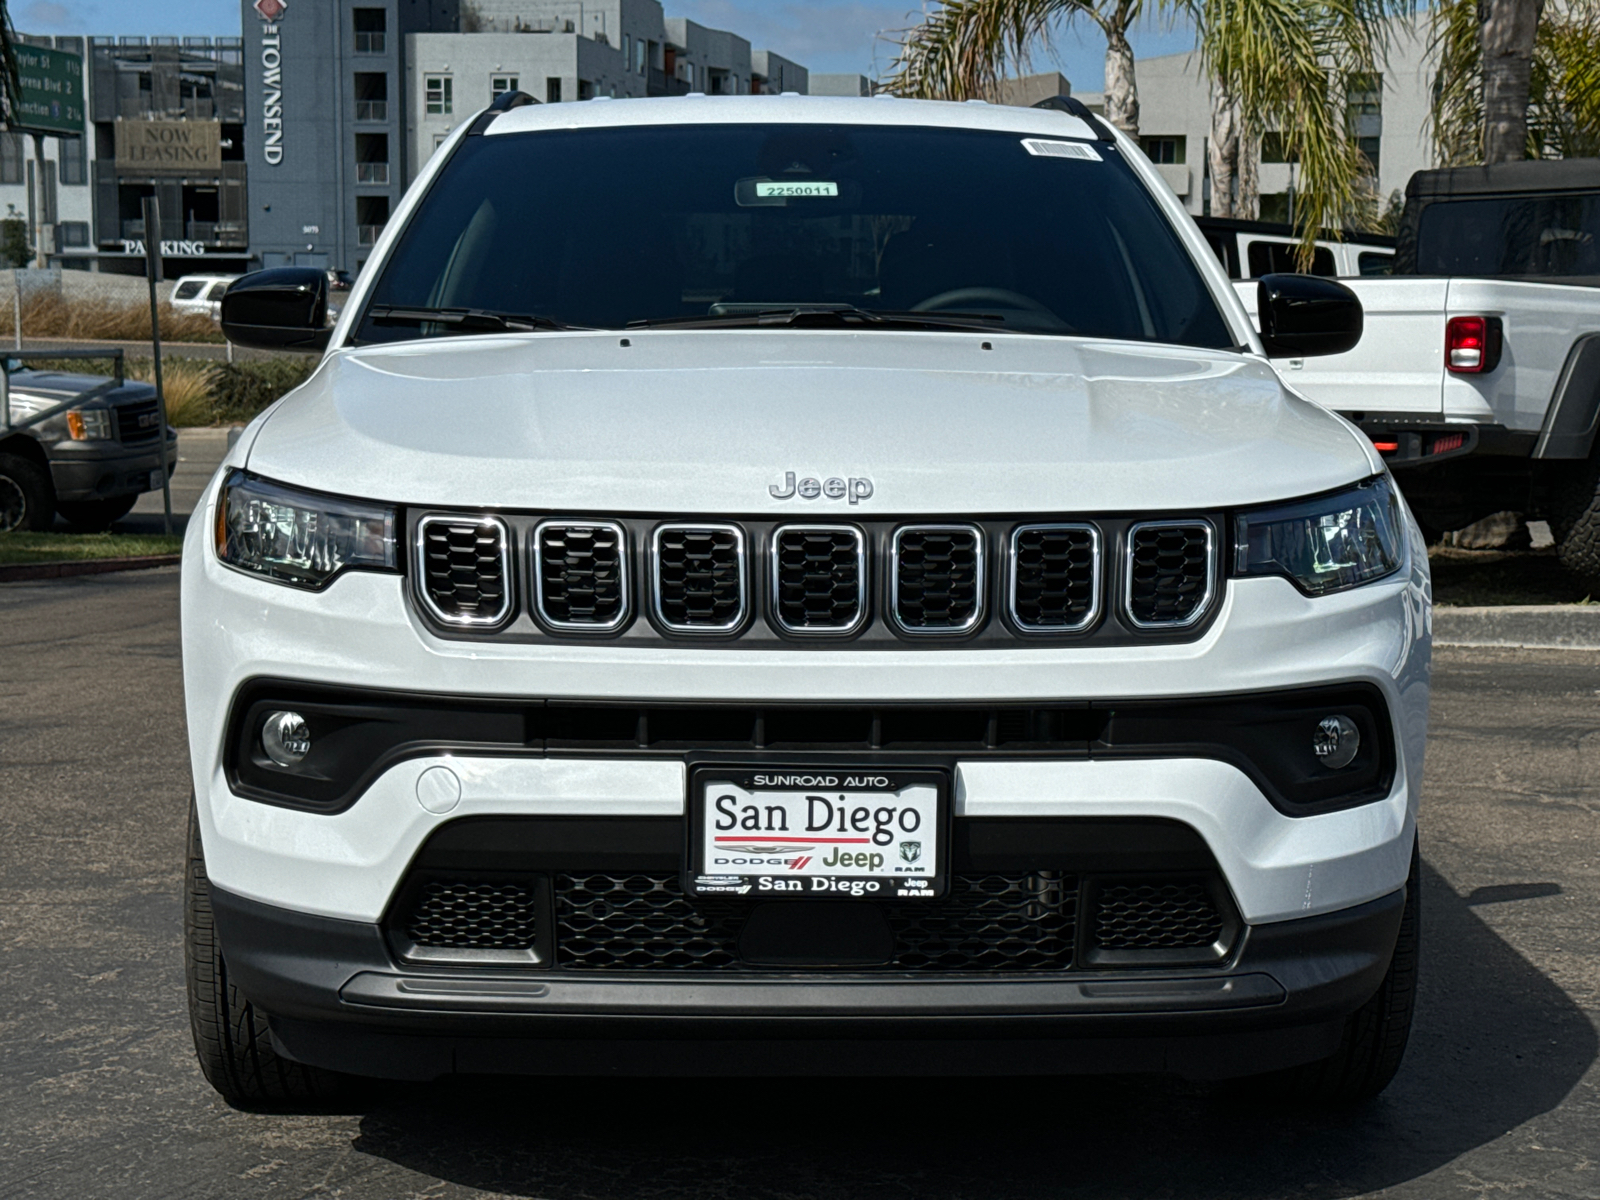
{"type": "Point", "coordinates": [962, 50]}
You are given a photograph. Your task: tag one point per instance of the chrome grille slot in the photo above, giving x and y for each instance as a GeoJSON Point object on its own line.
{"type": "Point", "coordinates": [581, 574]}
{"type": "Point", "coordinates": [937, 585]}
{"type": "Point", "coordinates": [1055, 577]}
{"type": "Point", "coordinates": [464, 569]}
{"type": "Point", "coordinates": [700, 580]}
{"type": "Point", "coordinates": [1170, 573]}
{"type": "Point", "coordinates": [818, 578]}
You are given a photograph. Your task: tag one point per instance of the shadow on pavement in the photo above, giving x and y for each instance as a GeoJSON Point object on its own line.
{"type": "Point", "coordinates": [1495, 1044]}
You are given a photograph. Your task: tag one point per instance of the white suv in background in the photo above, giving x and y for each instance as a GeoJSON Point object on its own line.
{"type": "Point", "coordinates": [836, 586]}
{"type": "Point", "coordinates": [199, 295]}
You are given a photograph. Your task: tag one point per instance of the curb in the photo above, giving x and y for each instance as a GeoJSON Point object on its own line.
{"type": "Point", "coordinates": [16, 572]}
{"type": "Point", "coordinates": [1520, 626]}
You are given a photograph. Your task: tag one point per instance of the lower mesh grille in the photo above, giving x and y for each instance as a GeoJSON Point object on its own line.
{"type": "Point", "coordinates": [699, 577]}
{"type": "Point", "coordinates": [816, 579]}
{"type": "Point", "coordinates": [456, 915]}
{"type": "Point", "coordinates": [938, 580]}
{"type": "Point", "coordinates": [1155, 916]}
{"type": "Point", "coordinates": [1055, 584]}
{"type": "Point", "coordinates": [1169, 572]}
{"type": "Point", "coordinates": [582, 576]}
{"type": "Point", "coordinates": [645, 922]}
{"type": "Point", "coordinates": [465, 569]}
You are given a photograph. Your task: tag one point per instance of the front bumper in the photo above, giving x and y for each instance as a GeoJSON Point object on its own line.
{"type": "Point", "coordinates": [104, 470]}
{"type": "Point", "coordinates": [336, 998]}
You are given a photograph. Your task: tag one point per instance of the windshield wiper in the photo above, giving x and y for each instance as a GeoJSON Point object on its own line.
{"type": "Point", "coordinates": [465, 319]}
{"type": "Point", "coordinates": [825, 316]}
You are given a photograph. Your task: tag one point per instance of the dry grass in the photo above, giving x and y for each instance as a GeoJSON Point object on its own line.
{"type": "Point", "coordinates": [48, 316]}
{"type": "Point", "coordinates": [187, 384]}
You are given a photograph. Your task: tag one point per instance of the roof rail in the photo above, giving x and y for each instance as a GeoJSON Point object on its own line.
{"type": "Point", "coordinates": [502, 103]}
{"type": "Point", "coordinates": [1077, 108]}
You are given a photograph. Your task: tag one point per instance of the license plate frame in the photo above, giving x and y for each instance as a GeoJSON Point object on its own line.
{"type": "Point", "coordinates": [897, 879]}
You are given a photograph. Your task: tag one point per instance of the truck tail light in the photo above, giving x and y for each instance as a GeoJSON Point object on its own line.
{"type": "Point", "coordinates": [1472, 345]}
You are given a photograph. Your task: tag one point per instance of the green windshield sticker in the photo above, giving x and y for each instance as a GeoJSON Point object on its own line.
{"type": "Point", "coordinates": [774, 187]}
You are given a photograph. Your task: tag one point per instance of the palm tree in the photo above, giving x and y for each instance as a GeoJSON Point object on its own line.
{"type": "Point", "coordinates": [1560, 111]}
{"type": "Point", "coordinates": [1274, 64]}
{"type": "Point", "coordinates": [10, 84]}
{"type": "Point", "coordinates": [964, 49]}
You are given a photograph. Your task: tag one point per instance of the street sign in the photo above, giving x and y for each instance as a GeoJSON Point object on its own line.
{"type": "Point", "coordinates": [51, 99]}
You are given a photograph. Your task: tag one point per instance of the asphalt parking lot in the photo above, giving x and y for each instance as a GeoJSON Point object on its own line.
{"type": "Point", "coordinates": [100, 1094]}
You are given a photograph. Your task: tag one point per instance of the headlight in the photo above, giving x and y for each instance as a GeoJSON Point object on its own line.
{"type": "Point", "coordinates": [300, 538]}
{"type": "Point", "coordinates": [90, 424]}
{"type": "Point", "coordinates": [1327, 544]}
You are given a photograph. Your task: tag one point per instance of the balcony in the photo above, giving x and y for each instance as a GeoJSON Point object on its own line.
{"type": "Point", "coordinates": [372, 172]}
{"type": "Point", "coordinates": [367, 235]}
{"type": "Point", "coordinates": [372, 110]}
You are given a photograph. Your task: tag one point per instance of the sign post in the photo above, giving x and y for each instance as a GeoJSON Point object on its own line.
{"type": "Point", "coordinates": [152, 268]}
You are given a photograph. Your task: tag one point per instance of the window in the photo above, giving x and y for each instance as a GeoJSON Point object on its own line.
{"type": "Point", "coordinates": [640, 57]}
{"type": "Point", "coordinates": [1537, 235]}
{"type": "Point", "coordinates": [627, 51]}
{"type": "Point", "coordinates": [915, 213]}
{"type": "Point", "coordinates": [439, 139]}
{"type": "Point", "coordinates": [372, 96]}
{"type": "Point", "coordinates": [1363, 110]}
{"type": "Point", "coordinates": [503, 83]}
{"type": "Point", "coordinates": [72, 234]}
{"type": "Point", "coordinates": [1164, 149]}
{"type": "Point", "coordinates": [371, 24]}
{"type": "Point", "coordinates": [1372, 262]}
{"type": "Point", "coordinates": [372, 214]}
{"type": "Point", "coordinates": [438, 95]}
{"type": "Point", "coordinates": [1268, 258]}
{"type": "Point", "coordinates": [552, 90]}
{"type": "Point", "coordinates": [70, 153]}
{"type": "Point", "coordinates": [12, 156]}
{"type": "Point", "coordinates": [372, 158]}
{"type": "Point", "coordinates": [1273, 151]}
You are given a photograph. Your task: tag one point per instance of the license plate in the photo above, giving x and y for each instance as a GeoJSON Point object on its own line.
{"type": "Point", "coordinates": [846, 834]}
{"type": "Point", "coordinates": [156, 478]}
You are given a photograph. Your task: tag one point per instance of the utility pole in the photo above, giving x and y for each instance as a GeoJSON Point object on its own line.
{"type": "Point", "coordinates": [152, 269]}
{"type": "Point", "coordinates": [40, 214]}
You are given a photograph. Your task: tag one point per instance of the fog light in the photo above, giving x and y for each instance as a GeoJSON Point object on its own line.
{"type": "Point", "coordinates": [287, 738]}
{"type": "Point", "coordinates": [1336, 741]}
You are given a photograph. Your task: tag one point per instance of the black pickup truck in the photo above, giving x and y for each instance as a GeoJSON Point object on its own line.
{"type": "Point", "coordinates": [84, 446]}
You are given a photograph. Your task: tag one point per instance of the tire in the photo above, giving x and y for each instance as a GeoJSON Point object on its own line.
{"type": "Point", "coordinates": [27, 497]}
{"type": "Point", "coordinates": [1575, 522]}
{"type": "Point", "coordinates": [230, 1035]}
{"type": "Point", "coordinates": [92, 516]}
{"type": "Point", "coordinates": [1375, 1034]}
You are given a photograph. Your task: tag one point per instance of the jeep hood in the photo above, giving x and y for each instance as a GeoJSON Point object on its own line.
{"type": "Point", "coordinates": [705, 421]}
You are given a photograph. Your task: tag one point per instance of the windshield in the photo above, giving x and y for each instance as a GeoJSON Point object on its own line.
{"type": "Point", "coordinates": [1510, 236]}
{"type": "Point", "coordinates": [603, 228]}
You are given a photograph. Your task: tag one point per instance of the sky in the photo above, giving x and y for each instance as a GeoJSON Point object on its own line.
{"type": "Point", "coordinates": [850, 36]}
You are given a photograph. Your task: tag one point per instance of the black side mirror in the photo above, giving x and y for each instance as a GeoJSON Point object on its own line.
{"type": "Point", "coordinates": [284, 308]}
{"type": "Point", "coordinates": [1307, 315]}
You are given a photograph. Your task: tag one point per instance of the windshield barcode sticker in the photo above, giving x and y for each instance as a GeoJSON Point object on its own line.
{"type": "Point", "coordinates": [1061, 149]}
{"type": "Point", "coordinates": [779, 188]}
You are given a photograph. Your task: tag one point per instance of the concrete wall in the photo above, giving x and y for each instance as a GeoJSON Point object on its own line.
{"type": "Point", "coordinates": [779, 74]}
{"type": "Point", "coordinates": [840, 85]}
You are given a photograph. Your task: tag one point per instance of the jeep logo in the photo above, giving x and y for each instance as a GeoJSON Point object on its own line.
{"type": "Point", "coordinates": [857, 488]}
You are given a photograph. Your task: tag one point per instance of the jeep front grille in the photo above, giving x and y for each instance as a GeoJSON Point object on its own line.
{"type": "Point", "coordinates": [699, 583]}
{"type": "Point", "coordinates": [938, 580]}
{"type": "Point", "coordinates": [819, 578]}
{"type": "Point", "coordinates": [1055, 577]}
{"type": "Point", "coordinates": [1169, 574]}
{"type": "Point", "coordinates": [581, 574]}
{"type": "Point", "coordinates": [465, 568]}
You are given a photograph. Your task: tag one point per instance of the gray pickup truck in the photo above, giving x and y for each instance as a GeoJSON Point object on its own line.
{"type": "Point", "coordinates": [84, 446]}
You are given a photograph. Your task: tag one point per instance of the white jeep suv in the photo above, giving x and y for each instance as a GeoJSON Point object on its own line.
{"type": "Point", "coordinates": [787, 584]}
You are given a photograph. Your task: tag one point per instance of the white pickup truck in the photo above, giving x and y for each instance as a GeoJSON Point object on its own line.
{"type": "Point", "coordinates": [1478, 373]}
